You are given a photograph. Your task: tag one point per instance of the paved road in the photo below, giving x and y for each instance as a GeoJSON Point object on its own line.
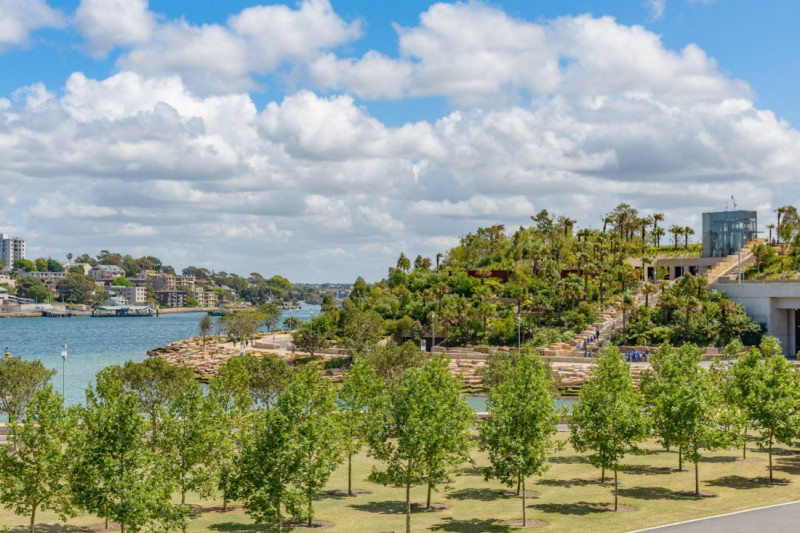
{"type": "Point", "coordinates": [782, 518]}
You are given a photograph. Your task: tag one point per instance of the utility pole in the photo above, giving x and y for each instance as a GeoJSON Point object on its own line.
{"type": "Point", "coordinates": [63, 368]}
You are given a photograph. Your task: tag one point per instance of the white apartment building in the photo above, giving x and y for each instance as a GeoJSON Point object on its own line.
{"type": "Point", "coordinates": [132, 295]}
{"type": "Point", "coordinates": [11, 249]}
{"type": "Point", "coordinates": [101, 272]}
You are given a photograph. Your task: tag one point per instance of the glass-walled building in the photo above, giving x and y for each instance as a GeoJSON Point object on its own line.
{"type": "Point", "coordinates": [727, 231]}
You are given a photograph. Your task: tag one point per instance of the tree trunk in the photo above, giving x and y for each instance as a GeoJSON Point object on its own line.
{"type": "Point", "coordinates": [524, 512]}
{"type": "Point", "coordinates": [519, 484]}
{"type": "Point", "coordinates": [280, 519]}
{"type": "Point", "coordinates": [183, 497]}
{"type": "Point", "coordinates": [616, 488]}
{"type": "Point", "coordinates": [224, 503]}
{"type": "Point", "coordinates": [310, 497]}
{"type": "Point", "coordinates": [33, 518]}
{"type": "Point", "coordinates": [428, 503]}
{"type": "Point", "coordinates": [680, 458]}
{"type": "Point", "coordinates": [744, 446]}
{"type": "Point", "coordinates": [408, 502]}
{"type": "Point", "coordinates": [696, 478]}
{"type": "Point", "coordinates": [106, 522]}
{"type": "Point", "coordinates": [770, 458]}
{"type": "Point", "coordinates": [349, 473]}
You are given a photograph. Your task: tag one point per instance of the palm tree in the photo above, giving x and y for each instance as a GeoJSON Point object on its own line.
{"type": "Point", "coordinates": [676, 232]}
{"type": "Point", "coordinates": [627, 304]}
{"type": "Point", "coordinates": [648, 289]}
{"type": "Point", "coordinates": [438, 258]}
{"type": "Point", "coordinates": [657, 217]}
{"type": "Point", "coordinates": [686, 232]}
{"type": "Point", "coordinates": [606, 221]}
{"type": "Point", "coordinates": [780, 211]}
{"type": "Point", "coordinates": [770, 228]}
{"type": "Point", "coordinates": [644, 222]}
{"type": "Point", "coordinates": [657, 234]}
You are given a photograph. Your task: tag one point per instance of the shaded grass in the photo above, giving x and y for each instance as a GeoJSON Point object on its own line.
{"type": "Point", "coordinates": [569, 496]}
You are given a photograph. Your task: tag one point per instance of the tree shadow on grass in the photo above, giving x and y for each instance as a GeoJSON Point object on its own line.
{"type": "Point", "coordinates": [569, 460]}
{"type": "Point", "coordinates": [577, 508]}
{"type": "Point", "coordinates": [643, 470]}
{"type": "Point", "coordinates": [473, 525]}
{"type": "Point", "coordinates": [47, 528]}
{"type": "Point", "coordinates": [472, 471]}
{"type": "Point", "coordinates": [230, 527]}
{"type": "Point", "coordinates": [721, 459]}
{"type": "Point", "coordinates": [484, 495]}
{"type": "Point", "coordinates": [390, 507]}
{"type": "Point", "coordinates": [567, 483]}
{"type": "Point", "coordinates": [736, 482]}
{"type": "Point", "coordinates": [655, 493]}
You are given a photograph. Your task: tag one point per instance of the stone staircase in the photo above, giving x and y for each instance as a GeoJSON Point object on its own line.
{"type": "Point", "coordinates": [727, 270]}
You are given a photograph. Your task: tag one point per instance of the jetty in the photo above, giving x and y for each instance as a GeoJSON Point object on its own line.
{"type": "Point", "coordinates": [123, 311]}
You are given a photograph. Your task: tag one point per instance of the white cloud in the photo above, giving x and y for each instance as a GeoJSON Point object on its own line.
{"type": "Point", "coordinates": [217, 58]}
{"type": "Point", "coordinates": [19, 18]}
{"type": "Point", "coordinates": [108, 24]}
{"type": "Point", "coordinates": [573, 115]}
{"type": "Point", "coordinates": [656, 8]}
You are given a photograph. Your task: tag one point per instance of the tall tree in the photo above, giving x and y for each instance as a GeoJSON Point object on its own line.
{"type": "Point", "coordinates": [113, 474]}
{"type": "Point", "coordinates": [360, 400]}
{"type": "Point", "coordinates": [19, 382]}
{"type": "Point", "coordinates": [34, 468]}
{"type": "Point", "coordinates": [204, 328]}
{"type": "Point", "coordinates": [419, 442]}
{"type": "Point", "coordinates": [773, 402]}
{"type": "Point", "coordinates": [608, 419]}
{"type": "Point", "coordinates": [310, 401]}
{"type": "Point", "coordinates": [522, 421]}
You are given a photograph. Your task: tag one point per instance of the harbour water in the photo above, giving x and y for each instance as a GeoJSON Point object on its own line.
{"type": "Point", "coordinates": [94, 343]}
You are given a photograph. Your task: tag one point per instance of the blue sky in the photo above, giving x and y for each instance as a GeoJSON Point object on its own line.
{"type": "Point", "coordinates": [318, 139]}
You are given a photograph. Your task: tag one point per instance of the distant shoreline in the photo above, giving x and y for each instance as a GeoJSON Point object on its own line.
{"type": "Point", "coordinates": [168, 311]}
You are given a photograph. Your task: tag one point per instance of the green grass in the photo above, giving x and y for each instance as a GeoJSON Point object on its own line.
{"type": "Point", "coordinates": [567, 492]}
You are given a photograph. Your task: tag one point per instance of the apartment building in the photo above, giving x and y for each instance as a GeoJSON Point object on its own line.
{"type": "Point", "coordinates": [11, 249]}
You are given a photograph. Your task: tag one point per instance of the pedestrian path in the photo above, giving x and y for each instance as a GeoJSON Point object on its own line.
{"type": "Point", "coordinates": [780, 518]}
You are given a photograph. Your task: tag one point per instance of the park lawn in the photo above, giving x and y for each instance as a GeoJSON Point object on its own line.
{"type": "Point", "coordinates": [567, 492]}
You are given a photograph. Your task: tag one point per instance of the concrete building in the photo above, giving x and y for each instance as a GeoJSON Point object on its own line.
{"type": "Point", "coordinates": [44, 276]}
{"type": "Point", "coordinates": [206, 298]}
{"type": "Point", "coordinates": [725, 232]}
{"type": "Point", "coordinates": [171, 298]}
{"type": "Point", "coordinates": [11, 249]}
{"type": "Point", "coordinates": [101, 272]}
{"type": "Point", "coordinates": [776, 304]}
{"type": "Point", "coordinates": [133, 295]}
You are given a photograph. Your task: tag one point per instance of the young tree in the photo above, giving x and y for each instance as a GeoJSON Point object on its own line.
{"type": "Point", "coordinates": [270, 315]}
{"type": "Point", "coordinates": [360, 401]}
{"type": "Point", "coordinates": [204, 328]}
{"type": "Point", "coordinates": [230, 392]}
{"type": "Point", "coordinates": [310, 337]}
{"type": "Point", "coordinates": [266, 376]}
{"type": "Point", "coordinates": [34, 468]}
{"type": "Point", "coordinates": [310, 402]}
{"type": "Point", "coordinates": [419, 441]}
{"type": "Point", "coordinates": [113, 474]}
{"type": "Point", "coordinates": [267, 467]}
{"type": "Point", "coordinates": [773, 402]}
{"type": "Point", "coordinates": [188, 441]}
{"type": "Point", "coordinates": [291, 323]}
{"type": "Point", "coordinates": [522, 420]}
{"type": "Point", "coordinates": [608, 420]}
{"type": "Point", "coordinates": [19, 382]}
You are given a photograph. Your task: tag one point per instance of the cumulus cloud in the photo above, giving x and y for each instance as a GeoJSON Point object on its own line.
{"type": "Point", "coordinates": [19, 18]}
{"type": "Point", "coordinates": [217, 58]}
{"type": "Point", "coordinates": [572, 115]}
{"type": "Point", "coordinates": [108, 24]}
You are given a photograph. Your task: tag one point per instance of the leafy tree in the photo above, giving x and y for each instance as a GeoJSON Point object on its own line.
{"type": "Point", "coordinates": [189, 439]}
{"type": "Point", "coordinates": [522, 421]}
{"type": "Point", "coordinates": [391, 361]}
{"type": "Point", "coordinates": [54, 266]}
{"type": "Point", "coordinates": [270, 315]}
{"type": "Point", "coordinates": [204, 328]}
{"type": "Point", "coordinates": [360, 402]}
{"type": "Point", "coordinates": [112, 473]}
{"type": "Point", "coordinates": [310, 337]}
{"type": "Point", "coordinates": [229, 390]}
{"type": "Point", "coordinates": [608, 420]}
{"type": "Point", "coordinates": [420, 442]}
{"type": "Point", "coordinates": [268, 466]}
{"type": "Point", "coordinates": [291, 323]}
{"type": "Point", "coordinates": [33, 288]}
{"type": "Point", "coordinates": [310, 402]}
{"type": "Point", "coordinates": [266, 376]}
{"type": "Point", "coordinates": [241, 325]}
{"type": "Point", "coordinates": [155, 384]}
{"type": "Point", "coordinates": [26, 265]}
{"type": "Point", "coordinates": [34, 468]}
{"type": "Point", "coordinates": [19, 382]}
{"type": "Point", "coordinates": [121, 282]}
{"type": "Point", "coordinates": [76, 289]}
{"type": "Point", "coordinates": [773, 401]}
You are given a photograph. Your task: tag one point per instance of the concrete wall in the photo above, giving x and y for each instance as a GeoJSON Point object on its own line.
{"type": "Point", "coordinates": [772, 303]}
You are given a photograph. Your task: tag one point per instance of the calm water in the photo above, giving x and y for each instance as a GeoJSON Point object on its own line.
{"type": "Point", "coordinates": [479, 403]}
{"type": "Point", "coordinates": [94, 343]}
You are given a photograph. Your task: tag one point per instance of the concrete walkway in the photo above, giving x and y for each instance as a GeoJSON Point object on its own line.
{"type": "Point", "coordinates": [780, 518]}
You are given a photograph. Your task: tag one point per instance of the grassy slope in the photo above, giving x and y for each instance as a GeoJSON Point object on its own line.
{"type": "Point", "coordinates": [566, 492]}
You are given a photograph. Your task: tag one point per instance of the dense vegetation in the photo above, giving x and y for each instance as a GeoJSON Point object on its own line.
{"type": "Point", "coordinates": [269, 435]}
{"type": "Point", "coordinates": [539, 284]}
{"type": "Point", "coordinates": [779, 258]}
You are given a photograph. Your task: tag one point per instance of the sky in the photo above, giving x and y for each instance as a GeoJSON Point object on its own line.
{"type": "Point", "coordinates": [320, 139]}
